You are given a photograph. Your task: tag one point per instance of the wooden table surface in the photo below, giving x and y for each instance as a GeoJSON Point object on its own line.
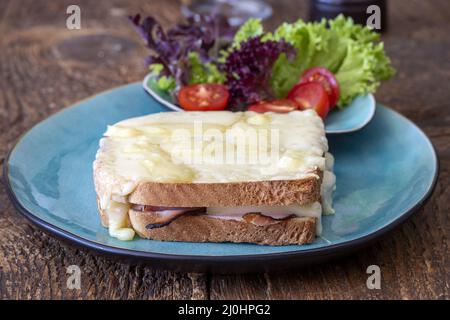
{"type": "Point", "coordinates": [45, 67]}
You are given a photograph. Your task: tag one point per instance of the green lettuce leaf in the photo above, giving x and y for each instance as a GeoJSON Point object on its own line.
{"type": "Point", "coordinates": [164, 83]}
{"type": "Point", "coordinates": [286, 73]}
{"type": "Point", "coordinates": [250, 29]}
{"type": "Point", "coordinates": [351, 51]}
{"type": "Point", "coordinates": [199, 72]}
{"type": "Point", "coordinates": [364, 67]}
{"type": "Point", "coordinates": [203, 72]}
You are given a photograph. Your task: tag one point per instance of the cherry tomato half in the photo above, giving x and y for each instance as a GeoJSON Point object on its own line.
{"type": "Point", "coordinates": [280, 106]}
{"type": "Point", "coordinates": [203, 97]}
{"type": "Point", "coordinates": [311, 95]}
{"type": "Point", "coordinates": [327, 79]}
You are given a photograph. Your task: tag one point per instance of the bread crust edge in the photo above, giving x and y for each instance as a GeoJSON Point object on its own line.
{"type": "Point", "coordinates": [251, 193]}
{"type": "Point", "coordinates": [203, 228]}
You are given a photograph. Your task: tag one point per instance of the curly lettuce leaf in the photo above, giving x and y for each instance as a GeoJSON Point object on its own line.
{"type": "Point", "coordinates": [165, 83]}
{"type": "Point", "coordinates": [317, 46]}
{"type": "Point", "coordinates": [286, 72]}
{"type": "Point", "coordinates": [349, 29]}
{"type": "Point", "coordinates": [250, 29]}
{"type": "Point", "coordinates": [203, 72]}
{"type": "Point", "coordinates": [197, 72]}
{"type": "Point", "coordinates": [364, 67]}
{"type": "Point", "coordinates": [349, 50]}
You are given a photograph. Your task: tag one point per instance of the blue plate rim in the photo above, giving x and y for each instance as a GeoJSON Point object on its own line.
{"type": "Point", "coordinates": [107, 249]}
{"type": "Point", "coordinates": [155, 96]}
{"type": "Point", "coordinates": [362, 125]}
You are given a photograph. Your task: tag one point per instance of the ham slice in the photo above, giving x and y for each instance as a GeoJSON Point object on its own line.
{"type": "Point", "coordinates": [163, 216]}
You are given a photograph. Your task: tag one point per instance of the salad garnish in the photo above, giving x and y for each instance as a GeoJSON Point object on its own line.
{"type": "Point", "coordinates": [301, 65]}
{"type": "Point", "coordinates": [187, 53]}
{"type": "Point", "coordinates": [350, 51]}
{"type": "Point", "coordinates": [248, 70]}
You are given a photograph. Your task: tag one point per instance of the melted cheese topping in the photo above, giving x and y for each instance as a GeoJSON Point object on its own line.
{"type": "Point", "coordinates": [328, 185]}
{"type": "Point", "coordinates": [155, 148]}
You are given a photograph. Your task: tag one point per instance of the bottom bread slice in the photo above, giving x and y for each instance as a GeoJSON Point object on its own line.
{"type": "Point", "coordinates": [203, 228]}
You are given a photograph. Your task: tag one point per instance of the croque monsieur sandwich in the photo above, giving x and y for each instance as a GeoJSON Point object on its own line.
{"type": "Point", "coordinates": [200, 177]}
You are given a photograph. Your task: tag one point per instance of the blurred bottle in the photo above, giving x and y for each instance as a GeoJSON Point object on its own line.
{"type": "Point", "coordinates": [357, 9]}
{"type": "Point", "coordinates": [237, 11]}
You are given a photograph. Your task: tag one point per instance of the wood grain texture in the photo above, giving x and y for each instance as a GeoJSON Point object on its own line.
{"type": "Point", "coordinates": [45, 67]}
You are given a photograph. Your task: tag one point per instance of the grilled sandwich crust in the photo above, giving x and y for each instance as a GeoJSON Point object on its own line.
{"type": "Point", "coordinates": [203, 228]}
{"type": "Point", "coordinates": [250, 193]}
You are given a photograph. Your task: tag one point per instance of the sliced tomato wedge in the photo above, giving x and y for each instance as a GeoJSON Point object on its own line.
{"type": "Point", "coordinates": [203, 97]}
{"type": "Point", "coordinates": [311, 95]}
{"type": "Point", "coordinates": [327, 79]}
{"type": "Point", "coordinates": [280, 106]}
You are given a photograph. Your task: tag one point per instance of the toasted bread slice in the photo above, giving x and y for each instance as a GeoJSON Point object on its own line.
{"type": "Point", "coordinates": [251, 193]}
{"type": "Point", "coordinates": [203, 228]}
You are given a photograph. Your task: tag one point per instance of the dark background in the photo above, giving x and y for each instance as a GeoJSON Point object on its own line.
{"type": "Point", "coordinates": [44, 67]}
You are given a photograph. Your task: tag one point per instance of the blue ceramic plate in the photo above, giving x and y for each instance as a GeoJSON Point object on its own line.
{"type": "Point", "coordinates": [384, 172]}
{"type": "Point", "coordinates": [352, 118]}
